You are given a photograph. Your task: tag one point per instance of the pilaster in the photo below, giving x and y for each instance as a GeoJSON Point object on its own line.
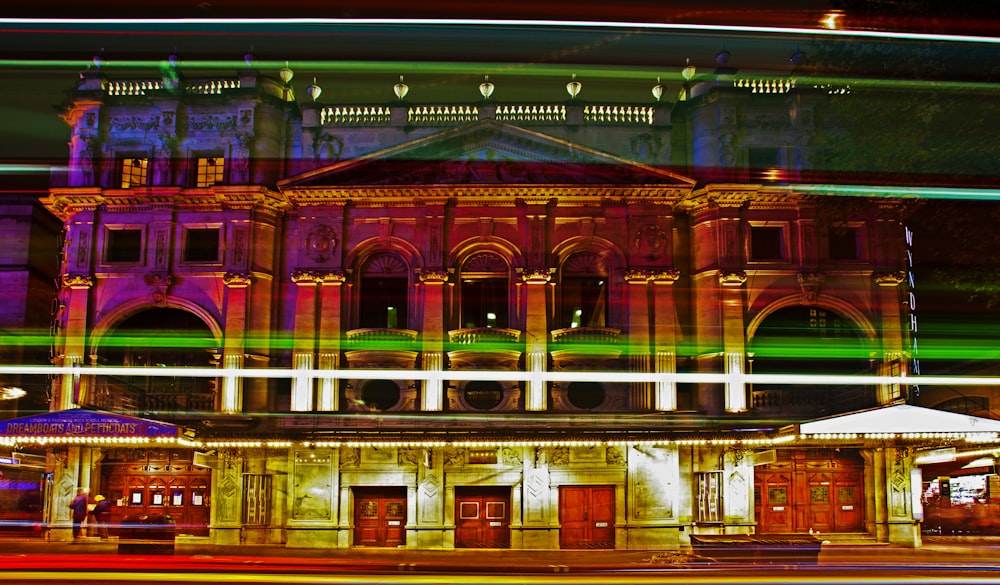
{"type": "Point", "coordinates": [537, 332]}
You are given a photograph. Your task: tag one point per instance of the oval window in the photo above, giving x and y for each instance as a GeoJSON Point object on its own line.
{"type": "Point", "coordinates": [380, 394]}
{"type": "Point", "coordinates": [585, 395]}
{"type": "Point", "coordinates": [483, 394]}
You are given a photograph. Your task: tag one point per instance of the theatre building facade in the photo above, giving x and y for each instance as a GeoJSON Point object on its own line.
{"type": "Point", "coordinates": [474, 325]}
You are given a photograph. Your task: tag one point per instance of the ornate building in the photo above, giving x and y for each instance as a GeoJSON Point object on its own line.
{"type": "Point", "coordinates": [475, 325]}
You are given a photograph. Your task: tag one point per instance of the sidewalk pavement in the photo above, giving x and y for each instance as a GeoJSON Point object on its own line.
{"type": "Point", "coordinates": [935, 551]}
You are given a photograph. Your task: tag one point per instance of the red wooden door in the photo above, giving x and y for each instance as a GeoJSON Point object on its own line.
{"type": "Point", "coordinates": [482, 517]}
{"type": "Point", "coordinates": [776, 503]}
{"type": "Point", "coordinates": [848, 505]}
{"type": "Point", "coordinates": [380, 516]}
{"type": "Point", "coordinates": [587, 516]}
{"type": "Point", "coordinates": [819, 505]}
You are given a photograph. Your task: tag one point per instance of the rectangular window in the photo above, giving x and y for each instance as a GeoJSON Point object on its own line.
{"type": "Point", "coordinates": [134, 172]}
{"type": "Point", "coordinates": [766, 243]}
{"type": "Point", "coordinates": [710, 496]}
{"type": "Point", "coordinates": [844, 244]}
{"type": "Point", "coordinates": [123, 245]}
{"type": "Point", "coordinates": [209, 171]}
{"type": "Point", "coordinates": [201, 245]}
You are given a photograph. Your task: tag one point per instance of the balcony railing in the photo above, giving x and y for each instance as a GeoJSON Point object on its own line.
{"type": "Point", "coordinates": [484, 336]}
{"type": "Point", "coordinates": [597, 336]}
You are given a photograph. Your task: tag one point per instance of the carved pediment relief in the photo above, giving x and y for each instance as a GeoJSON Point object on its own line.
{"type": "Point", "coordinates": [486, 152]}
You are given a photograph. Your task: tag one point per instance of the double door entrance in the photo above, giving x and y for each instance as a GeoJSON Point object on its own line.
{"type": "Point", "coordinates": [819, 490]}
{"type": "Point", "coordinates": [380, 516]}
{"type": "Point", "coordinates": [482, 517]}
{"type": "Point", "coordinates": [587, 516]}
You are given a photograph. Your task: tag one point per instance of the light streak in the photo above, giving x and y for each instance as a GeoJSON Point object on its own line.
{"type": "Point", "coordinates": [502, 375]}
{"type": "Point", "coordinates": [532, 23]}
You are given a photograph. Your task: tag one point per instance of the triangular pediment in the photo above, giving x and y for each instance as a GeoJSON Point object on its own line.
{"type": "Point", "coordinates": [486, 153]}
{"type": "Point", "coordinates": [901, 418]}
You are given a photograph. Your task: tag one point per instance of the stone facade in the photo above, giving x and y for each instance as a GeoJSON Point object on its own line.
{"type": "Point", "coordinates": [453, 246]}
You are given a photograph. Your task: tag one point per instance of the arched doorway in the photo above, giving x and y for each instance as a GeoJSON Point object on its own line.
{"type": "Point", "coordinates": [808, 340]}
{"type": "Point", "coordinates": [156, 338]}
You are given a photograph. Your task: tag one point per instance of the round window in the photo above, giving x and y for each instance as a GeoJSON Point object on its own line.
{"type": "Point", "coordinates": [380, 394]}
{"type": "Point", "coordinates": [483, 394]}
{"type": "Point", "coordinates": [585, 395]}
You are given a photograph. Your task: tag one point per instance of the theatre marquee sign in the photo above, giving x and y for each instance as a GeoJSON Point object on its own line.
{"type": "Point", "coordinates": [85, 423]}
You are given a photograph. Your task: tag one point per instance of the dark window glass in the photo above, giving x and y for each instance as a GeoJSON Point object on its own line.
{"type": "Point", "coordinates": [383, 302]}
{"type": "Point", "coordinates": [483, 394]}
{"type": "Point", "coordinates": [484, 302]}
{"type": "Point", "coordinates": [762, 157]}
{"type": "Point", "coordinates": [380, 394]}
{"type": "Point", "coordinates": [765, 243]}
{"type": "Point", "coordinates": [583, 302]}
{"type": "Point", "coordinates": [585, 395]}
{"type": "Point", "coordinates": [843, 244]}
{"type": "Point", "coordinates": [201, 245]}
{"type": "Point", "coordinates": [124, 246]}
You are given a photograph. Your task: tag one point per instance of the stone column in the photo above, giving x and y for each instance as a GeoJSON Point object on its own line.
{"type": "Point", "coordinates": [733, 339]}
{"type": "Point", "coordinates": [303, 345]}
{"type": "Point", "coordinates": [664, 338]}
{"type": "Point", "coordinates": [235, 310]}
{"type": "Point", "coordinates": [638, 335]}
{"type": "Point", "coordinates": [536, 329]}
{"type": "Point", "coordinates": [329, 339]}
{"type": "Point", "coordinates": [891, 328]}
{"type": "Point", "coordinates": [432, 337]}
{"type": "Point", "coordinates": [74, 387]}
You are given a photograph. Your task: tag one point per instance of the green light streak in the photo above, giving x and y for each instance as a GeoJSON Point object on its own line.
{"type": "Point", "coordinates": [895, 192]}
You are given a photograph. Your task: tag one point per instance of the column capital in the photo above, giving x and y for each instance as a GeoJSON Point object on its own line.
{"type": "Point", "coordinates": [639, 275]}
{"type": "Point", "coordinates": [665, 275]}
{"type": "Point", "coordinates": [334, 277]}
{"type": "Point", "coordinates": [536, 275]}
{"type": "Point", "coordinates": [895, 278]}
{"type": "Point", "coordinates": [77, 281]}
{"type": "Point", "coordinates": [733, 278]}
{"type": "Point", "coordinates": [236, 279]}
{"type": "Point", "coordinates": [438, 276]}
{"type": "Point", "coordinates": [306, 277]}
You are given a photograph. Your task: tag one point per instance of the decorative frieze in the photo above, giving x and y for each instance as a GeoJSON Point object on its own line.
{"type": "Point", "coordinates": [306, 277]}
{"type": "Point", "coordinates": [665, 276]}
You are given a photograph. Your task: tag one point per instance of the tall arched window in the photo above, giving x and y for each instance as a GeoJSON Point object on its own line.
{"type": "Point", "coordinates": [383, 295]}
{"type": "Point", "coordinates": [485, 292]}
{"type": "Point", "coordinates": [583, 291]}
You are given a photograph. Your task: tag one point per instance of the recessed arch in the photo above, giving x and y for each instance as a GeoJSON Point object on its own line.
{"type": "Point", "coordinates": [116, 316]}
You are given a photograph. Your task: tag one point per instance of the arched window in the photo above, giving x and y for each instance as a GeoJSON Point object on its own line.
{"type": "Point", "coordinates": [485, 292]}
{"type": "Point", "coordinates": [583, 291]}
{"type": "Point", "coordinates": [383, 295]}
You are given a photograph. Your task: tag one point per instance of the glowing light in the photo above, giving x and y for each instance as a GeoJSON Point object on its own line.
{"type": "Point", "coordinates": [831, 20]}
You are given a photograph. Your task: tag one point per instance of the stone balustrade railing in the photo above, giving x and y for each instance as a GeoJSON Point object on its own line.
{"type": "Point", "coordinates": [484, 335]}
{"type": "Point", "coordinates": [586, 336]}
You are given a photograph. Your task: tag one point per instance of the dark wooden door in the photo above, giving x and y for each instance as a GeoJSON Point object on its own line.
{"type": "Point", "coordinates": [587, 516]}
{"type": "Point", "coordinates": [776, 503]}
{"type": "Point", "coordinates": [818, 490]}
{"type": "Point", "coordinates": [379, 516]}
{"type": "Point", "coordinates": [482, 517]}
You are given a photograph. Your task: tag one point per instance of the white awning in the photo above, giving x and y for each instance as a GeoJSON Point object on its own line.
{"type": "Point", "coordinates": [900, 418]}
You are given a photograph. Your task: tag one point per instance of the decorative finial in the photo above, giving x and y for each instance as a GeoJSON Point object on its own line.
{"type": "Point", "coordinates": [657, 90]}
{"type": "Point", "coordinates": [400, 89]}
{"type": "Point", "coordinates": [573, 87]}
{"type": "Point", "coordinates": [722, 57]}
{"type": "Point", "coordinates": [797, 56]}
{"type": "Point", "coordinates": [486, 88]}
{"type": "Point", "coordinates": [689, 70]}
{"type": "Point", "coordinates": [99, 58]}
{"type": "Point", "coordinates": [286, 74]}
{"type": "Point", "coordinates": [314, 90]}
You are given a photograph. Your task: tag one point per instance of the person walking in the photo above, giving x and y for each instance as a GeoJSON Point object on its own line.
{"type": "Point", "coordinates": [79, 506]}
{"type": "Point", "coordinates": [102, 514]}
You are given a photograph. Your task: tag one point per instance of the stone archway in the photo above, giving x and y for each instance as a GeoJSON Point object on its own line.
{"type": "Point", "coordinates": [808, 339]}
{"type": "Point", "coordinates": [157, 337]}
